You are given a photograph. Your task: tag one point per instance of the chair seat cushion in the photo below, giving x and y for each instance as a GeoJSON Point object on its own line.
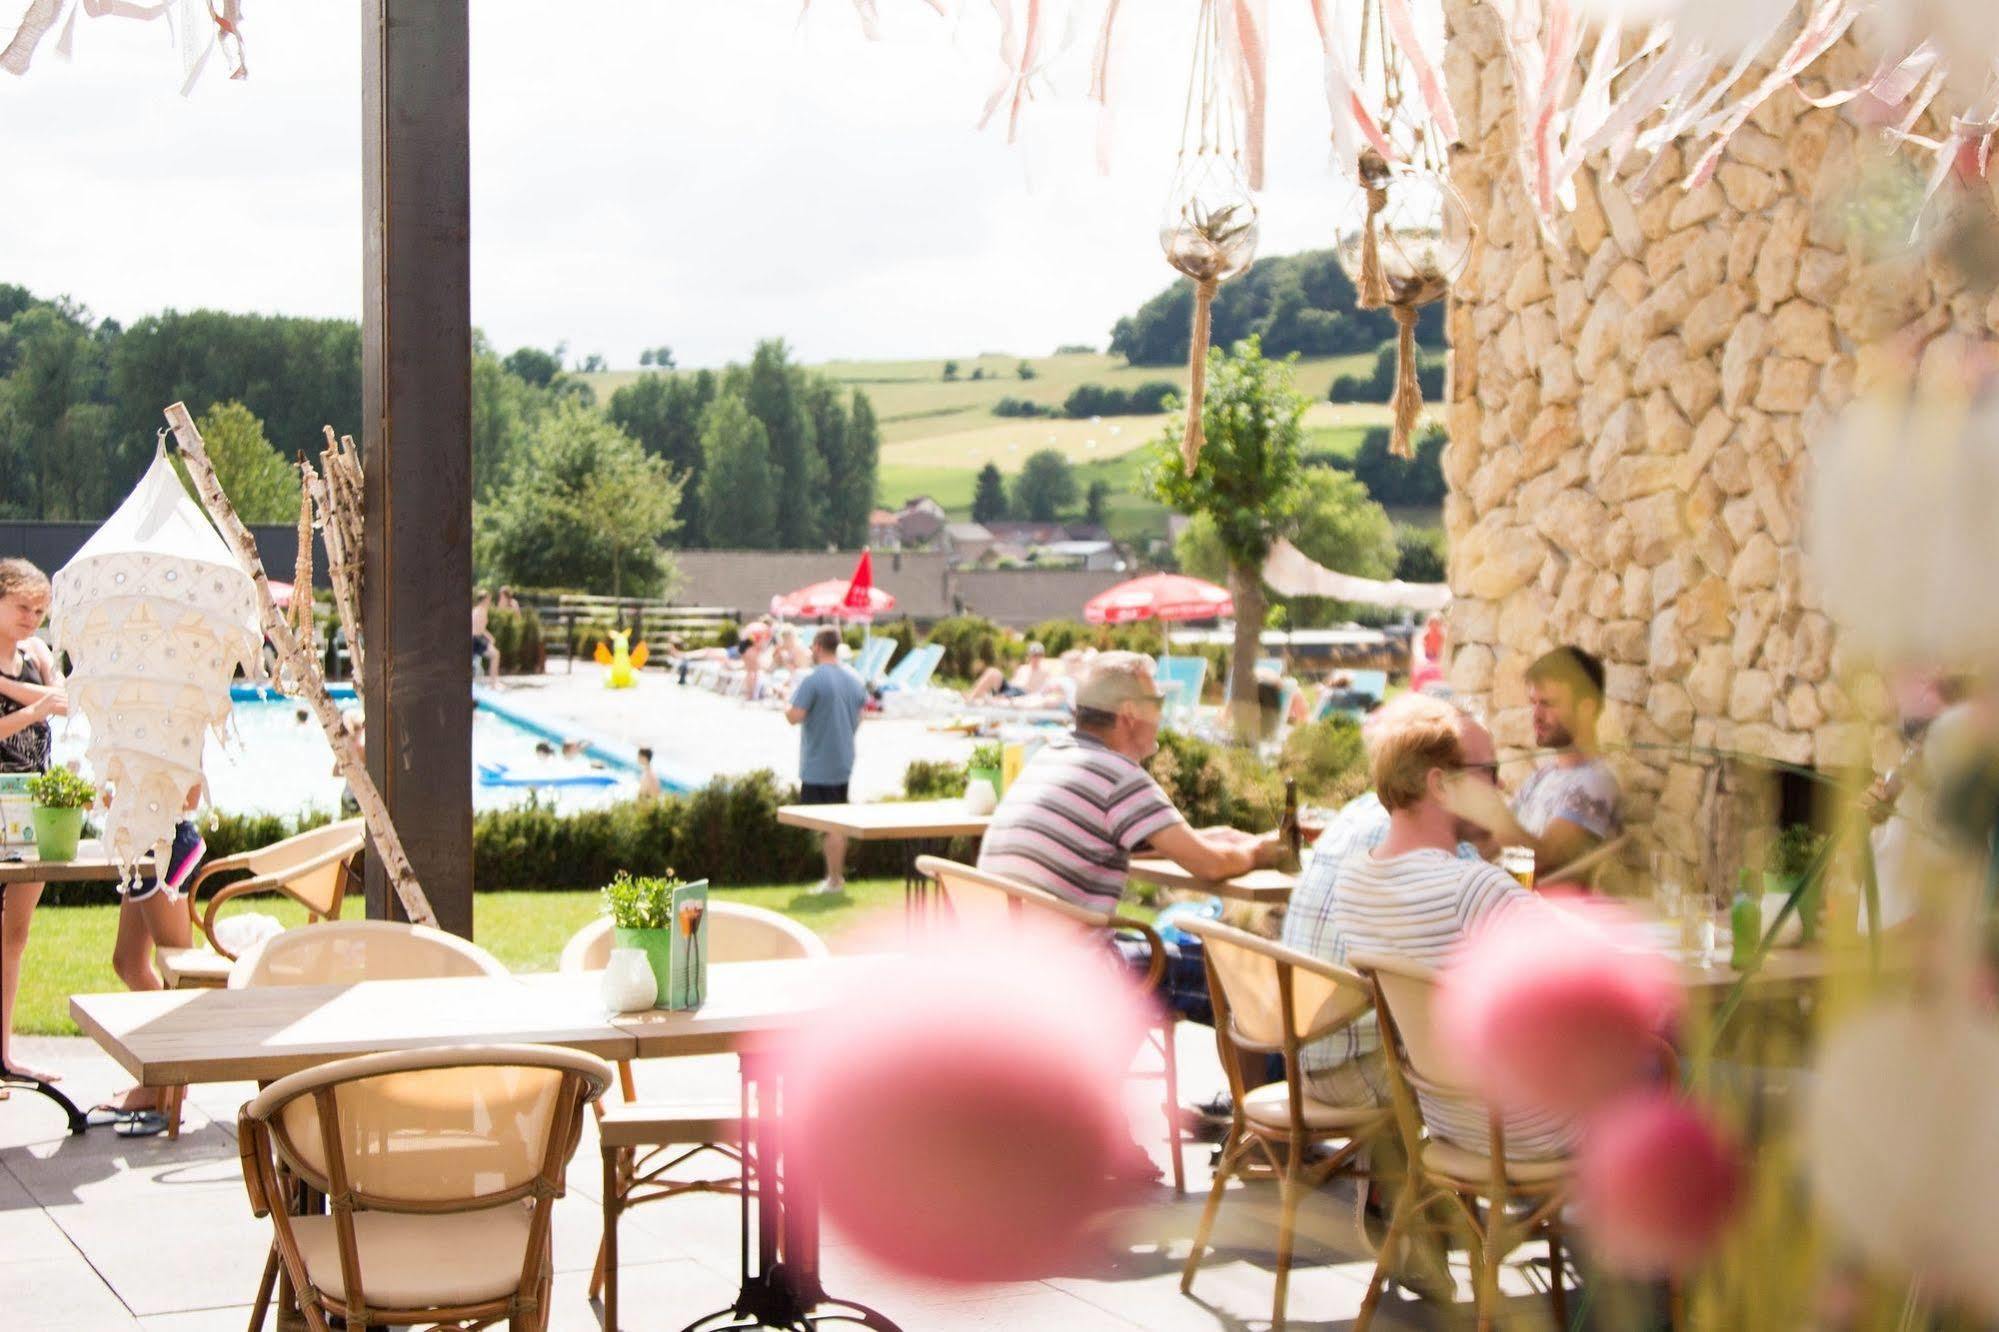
{"type": "Point", "coordinates": [653, 1124]}
{"type": "Point", "coordinates": [1455, 1163]}
{"type": "Point", "coordinates": [194, 967]}
{"type": "Point", "coordinates": [1269, 1107]}
{"type": "Point", "coordinates": [410, 1261]}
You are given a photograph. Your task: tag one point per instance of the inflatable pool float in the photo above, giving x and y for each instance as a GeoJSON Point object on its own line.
{"type": "Point", "coordinates": [499, 774]}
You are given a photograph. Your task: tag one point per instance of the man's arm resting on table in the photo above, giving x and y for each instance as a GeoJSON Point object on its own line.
{"type": "Point", "coordinates": [1207, 854]}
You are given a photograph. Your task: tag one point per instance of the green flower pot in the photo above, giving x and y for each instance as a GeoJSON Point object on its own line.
{"type": "Point", "coordinates": [657, 945]}
{"type": "Point", "coordinates": [990, 776]}
{"type": "Point", "coordinates": [56, 832]}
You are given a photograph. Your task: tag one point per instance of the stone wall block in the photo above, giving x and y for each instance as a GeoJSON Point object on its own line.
{"type": "Point", "coordinates": [1654, 528]}
{"type": "Point", "coordinates": [1746, 188]}
{"type": "Point", "coordinates": [1596, 273]}
{"type": "Point", "coordinates": [1669, 256]}
{"type": "Point", "coordinates": [1495, 480]}
{"type": "Point", "coordinates": [1624, 640]}
{"type": "Point", "coordinates": [1471, 669]}
{"type": "Point", "coordinates": [1551, 433]}
{"type": "Point", "coordinates": [1529, 281]}
{"type": "Point", "coordinates": [1473, 620]}
{"type": "Point", "coordinates": [1623, 433]}
{"type": "Point", "coordinates": [1769, 488]}
{"type": "Point", "coordinates": [1714, 429]}
{"type": "Point", "coordinates": [1750, 695]}
{"type": "Point", "coordinates": [1707, 682]}
{"type": "Point", "coordinates": [1742, 359]}
{"type": "Point", "coordinates": [1626, 684]}
{"type": "Point", "coordinates": [1655, 364]}
{"type": "Point", "coordinates": [1745, 242]}
{"type": "Point", "coordinates": [1730, 468]}
{"type": "Point", "coordinates": [1669, 706]}
{"type": "Point", "coordinates": [1786, 385]}
{"type": "Point", "coordinates": [1606, 594]}
{"type": "Point", "coordinates": [1666, 428]}
{"type": "Point", "coordinates": [1511, 558]}
{"type": "Point", "coordinates": [1695, 386]}
{"type": "Point", "coordinates": [1712, 319]}
{"type": "Point", "coordinates": [1631, 478]}
{"type": "Point", "coordinates": [1605, 392]}
{"type": "Point", "coordinates": [1574, 522]}
{"type": "Point", "coordinates": [1693, 208]}
{"type": "Point", "coordinates": [1821, 275]}
{"type": "Point", "coordinates": [1754, 614]}
{"type": "Point", "coordinates": [1741, 517]}
{"type": "Point", "coordinates": [1707, 258]}
{"type": "Point", "coordinates": [1637, 593]}
{"type": "Point", "coordinates": [1598, 341]}
{"type": "Point", "coordinates": [1756, 567]}
{"type": "Point", "coordinates": [1880, 299]}
{"type": "Point", "coordinates": [1802, 329]}
{"type": "Point", "coordinates": [1777, 262]}
{"type": "Point", "coordinates": [1707, 611]}
{"type": "Point", "coordinates": [1572, 305]}
{"type": "Point", "coordinates": [1665, 646]}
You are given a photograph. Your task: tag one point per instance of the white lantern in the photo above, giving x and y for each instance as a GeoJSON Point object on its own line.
{"type": "Point", "coordinates": [156, 615]}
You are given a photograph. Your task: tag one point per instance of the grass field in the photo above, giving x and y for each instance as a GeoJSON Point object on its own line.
{"type": "Point", "coordinates": [938, 433]}
{"type": "Point", "coordinates": [69, 950]}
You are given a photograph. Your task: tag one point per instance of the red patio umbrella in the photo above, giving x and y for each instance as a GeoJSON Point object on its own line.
{"type": "Point", "coordinates": [1159, 596]}
{"type": "Point", "coordinates": [855, 599]}
{"type": "Point", "coordinates": [861, 589]}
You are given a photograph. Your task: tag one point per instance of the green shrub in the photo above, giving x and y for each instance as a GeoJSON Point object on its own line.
{"type": "Point", "coordinates": [971, 643]}
{"type": "Point", "coordinates": [518, 636]}
{"type": "Point", "coordinates": [934, 779]}
{"type": "Point", "coordinates": [59, 788]}
{"type": "Point", "coordinates": [1213, 784]}
{"type": "Point", "coordinates": [1327, 760]}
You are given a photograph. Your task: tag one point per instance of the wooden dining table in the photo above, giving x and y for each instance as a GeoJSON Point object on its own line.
{"type": "Point", "coordinates": [1266, 887]}
{"type": "Point", "coordinates": [925, 826]}
{"type": "Point", "coordinates": [22, 865]}
{"type": "Point", "coordinates": [177, 1037]}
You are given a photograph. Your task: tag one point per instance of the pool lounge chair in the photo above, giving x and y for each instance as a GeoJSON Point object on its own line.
{"type": "Point", "coordinates": [1181, 678]}
{"type": "Point", "coordinates": [872, 659]}
{"type": "Point", "coordinates": [1369, 685]}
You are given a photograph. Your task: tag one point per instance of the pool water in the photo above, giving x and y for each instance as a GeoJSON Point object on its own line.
{"type": "Point", "coordinates": [275, 764]}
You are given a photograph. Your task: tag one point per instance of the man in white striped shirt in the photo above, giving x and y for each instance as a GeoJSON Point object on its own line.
{"type": "Point", "coordinates": [1413, 896]}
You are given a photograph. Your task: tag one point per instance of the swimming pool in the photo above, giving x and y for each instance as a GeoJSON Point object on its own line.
{"type": "Point", "coordinates": [275, 763]}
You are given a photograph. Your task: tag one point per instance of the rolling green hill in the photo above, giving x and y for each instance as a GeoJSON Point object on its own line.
{"type": "Point", "coordinates": [938, 433]}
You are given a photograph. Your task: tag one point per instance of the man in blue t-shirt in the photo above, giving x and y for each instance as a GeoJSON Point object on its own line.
{"type": "Point", "coordinates": [826, 707]}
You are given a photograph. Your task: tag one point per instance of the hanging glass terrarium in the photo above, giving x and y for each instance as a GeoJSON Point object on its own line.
{"type": "Point", "coordinates": [1409, 237]}
{"type": "Point", "coordinates": [1209, 230]}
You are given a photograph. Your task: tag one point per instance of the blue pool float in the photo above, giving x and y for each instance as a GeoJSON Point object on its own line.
{"type": "Point", "coordinates": [498, 774]}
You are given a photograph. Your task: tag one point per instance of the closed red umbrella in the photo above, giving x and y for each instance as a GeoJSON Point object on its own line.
{"type": "Point", "coordinates": [861, 589]}
{"type": "Point", "coordinates": [1159, 596]}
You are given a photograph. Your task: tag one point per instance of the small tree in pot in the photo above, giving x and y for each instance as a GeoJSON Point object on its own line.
{"type": "Point", "coordinates": [60, 798]}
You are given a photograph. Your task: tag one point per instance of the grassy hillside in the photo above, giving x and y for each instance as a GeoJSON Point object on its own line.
{"type": "Point", "coordinates": [938, 433]}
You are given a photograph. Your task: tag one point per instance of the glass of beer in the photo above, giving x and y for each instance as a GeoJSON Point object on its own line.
{"type": "Point", "coordinates": [1519, 862]}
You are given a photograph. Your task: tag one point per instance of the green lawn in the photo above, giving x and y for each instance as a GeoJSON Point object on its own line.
{"type": "Point", "coordinates": [69, 951]}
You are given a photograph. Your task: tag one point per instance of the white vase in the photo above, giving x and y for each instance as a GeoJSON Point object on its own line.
{"type": "Point", "coordinates": [628, 985]}
{"type": "Point", "coordinates": [980, 797]}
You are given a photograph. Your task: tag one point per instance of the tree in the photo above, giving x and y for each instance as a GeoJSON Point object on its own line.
{"type": "Point", "coordinates": [738, 483]}
{"type": "Point", "coordinates": [536, 366]}
{"type": "Point", "coordinates": [1024, 371]}
{"type": "Point", "coordinates": [1096, 502]}
{"type": "Point", "coordinates": [1421, 555]}
{"type": "Point", "coordinates": [663, 357]}
{"type": "Point", "coordinates": [1245, 483]}
{"type": "Point", "coordinates": [772, 390]}
{"type": "Point", "coordinates": [950, 369]}
{"type": "Point", "coordinates": [262, 486]}
{"type": "Point", "coordinates": [645, 357]}
{"type": "Point", "coordinates": [989, 495]}
{"type": "Point", "coordinates": [856, 489]}
{"type": "Point", "coordinates": [1045, 487]}
{"type": "Point", "coordinates": [64, 456]}
{"type": "Point", "coordinates": [586, 508]}
{"type": "Point", "coordinates": [828, 416]}
{"type": "Point", "coordinates": [663, 413]}
{"type": "Point", "coordinates": [506, 411]}
{"type": "Point", "coordinates": [593, 364]}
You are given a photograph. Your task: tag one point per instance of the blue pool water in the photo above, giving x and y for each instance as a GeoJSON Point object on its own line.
{"type": "Point", "coordinates": [276, 764]}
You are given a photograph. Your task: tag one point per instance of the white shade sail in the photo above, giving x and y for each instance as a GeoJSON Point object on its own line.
{"type": "Point", "coordinates": [1291, 573]}
{"type": "Point", "coordinates": [156, 615]}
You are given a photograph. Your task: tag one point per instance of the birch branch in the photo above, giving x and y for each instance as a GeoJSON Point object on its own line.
{"type": "Point", "coordinates": [374, 810]}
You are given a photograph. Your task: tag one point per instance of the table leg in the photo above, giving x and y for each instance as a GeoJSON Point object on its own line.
{"type": "Point", "coordinates": [78, 1123]}
{"type": "Point", "coordinates": [781, 1286]}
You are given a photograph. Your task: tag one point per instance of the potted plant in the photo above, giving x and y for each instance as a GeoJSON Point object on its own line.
{"type": "Point", "coordinates": [641, 911]}
{"type": "Point", "coordinates": [60, 798]}
{"type": "Point", "coordinates": [988, 758]}
{"type": "Point", "coordinates": [1786, 864]}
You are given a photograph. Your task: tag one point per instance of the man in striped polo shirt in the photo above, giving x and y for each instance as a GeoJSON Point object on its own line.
{"type": "Point", "coordinates": [1081, 807]}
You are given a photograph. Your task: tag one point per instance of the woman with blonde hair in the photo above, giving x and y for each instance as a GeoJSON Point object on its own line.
{"type": "Point", "coordinates": [30, 694]}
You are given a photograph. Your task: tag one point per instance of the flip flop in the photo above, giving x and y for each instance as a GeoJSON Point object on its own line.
{"type": "Point", "coordinates": [141, 1124]}
{"type": "Point", "coordinates": [104, 1114]}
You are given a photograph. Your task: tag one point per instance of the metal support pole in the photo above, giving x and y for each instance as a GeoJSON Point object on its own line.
{"type": "Point", "coordinates": [416, 605]}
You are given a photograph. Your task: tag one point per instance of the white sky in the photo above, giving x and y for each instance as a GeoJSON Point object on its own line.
{"type": "Point", "coordinates": [699, 173]}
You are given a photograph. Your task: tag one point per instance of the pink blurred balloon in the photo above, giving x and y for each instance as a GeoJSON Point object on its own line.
{"type": "Point", "coordinates": [1557, 1006]}
{"type": "Point", "coordinates": [1656, 1182]}
{"type": "Point", "coordinates": [960, 1107]}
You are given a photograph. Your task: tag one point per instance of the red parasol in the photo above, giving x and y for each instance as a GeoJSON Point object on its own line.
{"type": "Point", "coordinates": [1159, 597]}
{"type": "Point", "coordinates": [859, 601]}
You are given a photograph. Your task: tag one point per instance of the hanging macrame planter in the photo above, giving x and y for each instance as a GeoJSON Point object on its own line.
{"type": "Point", "coordinates": [1407, 248]}
{"type": "Point", "coordinates": [1210, 228]}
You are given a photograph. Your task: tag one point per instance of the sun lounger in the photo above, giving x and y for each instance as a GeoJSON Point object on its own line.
{"type": "Point", "coordinates": [1181, 678]}
{"type": "Point", "coordinates": [872, 659]}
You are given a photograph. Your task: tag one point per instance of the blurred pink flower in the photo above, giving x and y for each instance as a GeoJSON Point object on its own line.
{"type": "Point", "coordinates": [1557, 1006]}
{"type": "Point", "coordinates": [960, 1107]}
{"type": "Point", "coordinates": [1656, 1181]}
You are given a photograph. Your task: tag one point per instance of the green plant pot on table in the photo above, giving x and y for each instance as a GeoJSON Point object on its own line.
{"type": "Point", "coordinates": [662, 917]}
{"type": "Point", "coordinates": [60, 798]}
{"type": "Point", "coordinates": [987, 765]}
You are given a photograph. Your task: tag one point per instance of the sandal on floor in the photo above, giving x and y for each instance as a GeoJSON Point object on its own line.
{"type": "Point", "coordinates": [141, 1124]}
{"type": "Point", "coordinates": [104, 1115]}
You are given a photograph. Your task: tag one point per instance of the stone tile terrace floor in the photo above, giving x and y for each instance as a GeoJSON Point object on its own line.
{"type": "Point", "coordinates": [100, 1233]}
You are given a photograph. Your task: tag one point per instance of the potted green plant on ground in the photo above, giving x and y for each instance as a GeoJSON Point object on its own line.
{"type": "Point", "coordinates": [988, 759]}
{"type": "Point", "coordinates": [641, 911]}
{"type": "Point", "coordinates": [60, 798]}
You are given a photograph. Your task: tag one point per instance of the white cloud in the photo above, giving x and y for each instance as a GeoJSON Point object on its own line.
{"type": "Point", "coordinates": [695, 172]}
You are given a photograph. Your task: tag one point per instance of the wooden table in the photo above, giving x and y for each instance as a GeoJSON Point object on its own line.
{"type": "Point", "coordinates": [1268, 887]}
{"type": "Point", "coordinates": [172, 1037]}
{"type": "Point", "coordinates": [926, 825]}
{"type": "Point", "coordinates": [89, 863]}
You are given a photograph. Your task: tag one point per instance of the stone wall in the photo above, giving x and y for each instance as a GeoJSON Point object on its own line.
{"type": "Point", "coordinates": [1630, 404]}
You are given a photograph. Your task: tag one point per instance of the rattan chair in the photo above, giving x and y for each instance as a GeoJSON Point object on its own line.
{"type": "Point", "coordinates": [314, 869]}
{"type": "Point", "coordinates": [992, 901]}
{"type": "Point", "coordinates": [644, 1143]}
{"type": "Point", "coordinates": [1502, 1203]}
{"type": "Point", "coordinates": [439, 1167]}
{"type": "Point", "coordinates": [340, 952]}
{"type": "Point", "coordinates": [1270, 999]}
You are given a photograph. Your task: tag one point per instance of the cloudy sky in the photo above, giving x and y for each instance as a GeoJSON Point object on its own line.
{"type": "Point", "coordinates": [699, 173]}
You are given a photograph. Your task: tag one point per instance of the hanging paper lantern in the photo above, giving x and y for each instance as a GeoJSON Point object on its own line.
{"type": "Point", "coordinates": [156, 616]}
{"type": "Point", "coordinates": [1209, 232]}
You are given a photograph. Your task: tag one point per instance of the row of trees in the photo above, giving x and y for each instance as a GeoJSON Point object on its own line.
{"type": "Point", "coordinates": [1301, 303]}
{"type": "Point", "coordinates": [1045, 491]}
{"type": "Point", "coordinates": [770, 455]}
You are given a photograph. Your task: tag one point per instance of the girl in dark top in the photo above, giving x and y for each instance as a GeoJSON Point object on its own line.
{"type": "Point", "coordinates": [30, 694]}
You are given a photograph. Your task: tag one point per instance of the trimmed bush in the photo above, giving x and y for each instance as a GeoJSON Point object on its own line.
{"type": "Point", "coordinates": [934, 779]}
{"type": "Point", "coordinates": [518, 636]}
{"type": "Point", "coordinates": [1327, 759]}
{"type": "Point", "coordinates": [1214, 784]}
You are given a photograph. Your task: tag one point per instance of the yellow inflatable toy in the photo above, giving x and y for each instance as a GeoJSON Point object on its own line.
{"type": "Point", "coordinates": [623, 660]}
